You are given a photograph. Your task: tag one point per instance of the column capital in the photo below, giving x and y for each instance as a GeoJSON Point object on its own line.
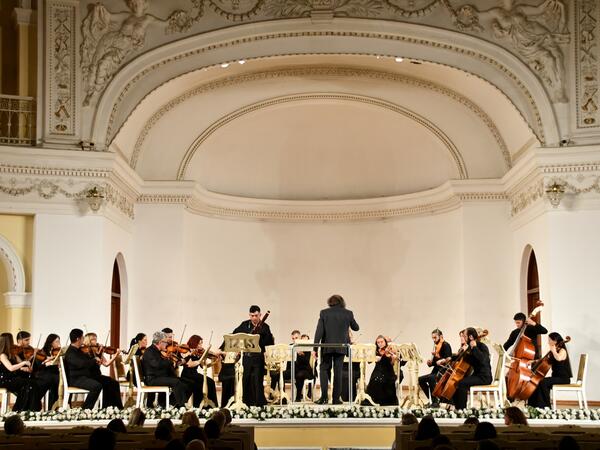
{"type": "Point", "coordinates": [24, 16]}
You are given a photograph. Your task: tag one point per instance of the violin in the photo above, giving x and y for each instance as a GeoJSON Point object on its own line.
{"type": "Point", "coordinates": [91, 349]}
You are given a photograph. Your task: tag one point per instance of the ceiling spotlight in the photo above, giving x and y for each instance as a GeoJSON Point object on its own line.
{"type": "Point", "coordinates": [399, 59]}
{"type": "Point", "coordinates": [224, 65]}
{"type": "Point", "coordinates": [242, 61]}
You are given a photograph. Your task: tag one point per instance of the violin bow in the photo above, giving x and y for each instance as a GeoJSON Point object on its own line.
{"type": "Point", "coordinates": [35, 350]}
{"type": "Point", "coordinates": [182, 334]}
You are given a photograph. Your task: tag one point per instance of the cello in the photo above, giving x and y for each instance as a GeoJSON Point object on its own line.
{"type": "Point", "coordinates": [522, 354]}
{"type": "Point", "coordinates": [538, 372]}
{"type": "Point", "coordinates": [446, 387]}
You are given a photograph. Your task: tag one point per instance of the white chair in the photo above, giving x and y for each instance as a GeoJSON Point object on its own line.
{"type": "Point", "coordinates": [578, 387]}
{"type": "Point", "coordinates": [497, 385]}
{"type": "Point", "coordinates": [4, 400]}
{"type": "Point", "coordinates": [142, 389]}
{"type": "Point", "coordinates": [308, 382]}
{"type": "Point", "coordinates": [69, 390]}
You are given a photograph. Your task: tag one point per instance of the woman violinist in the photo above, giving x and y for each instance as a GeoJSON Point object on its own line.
{"type": "Point", "coordinates": [382, 385]}
{"type": "Point", "coordinates": [25, 387]}
{"type": "Point", "coordinates": [190, 372]}
{"type": "Point", "coordinates": [141, 340]}
{"type": "Point", "coordinates": [111, 394]}
{"type": "Point", "coordinates": [46, 372]}
{"type": "Point", "coordinates": [558, 357]}
{"type": "Point", "coordinates": [478, 356]}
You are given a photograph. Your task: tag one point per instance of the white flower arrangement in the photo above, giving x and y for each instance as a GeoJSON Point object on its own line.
{"type": "Point", "coordinates": [302, 412]}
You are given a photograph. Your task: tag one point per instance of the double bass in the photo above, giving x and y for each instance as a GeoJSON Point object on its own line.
{"type": "Point", "coordinates": [460, 368]}
{"type": "Point", "coordinates": [522, 354]}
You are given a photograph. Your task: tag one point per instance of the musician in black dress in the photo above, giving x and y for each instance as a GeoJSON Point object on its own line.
{"type": "Point", "coordinates": [332, 328]}
{"type": "Point", "coordinates": [83, 371]}
{"type": "Point", "coordinates": [193, 377]}
{"type": "Point", "coordinates": [160, 371]}
{"type": "Point", "coordinates": [24, 387]}
{"type": "Point", "coordinates": [382, 385]}
{"type": "Point", "coordinates": [46, 372]}
{"type": "Point", "coordinates": [254, 363]}
{"type": "Point", "coordinates": [478, 355]}
{"type": "Point", "coordinates": [141, 340]}
{"type": "Point", "coordinates": [561, 372]}
{"type": "Point", "coordinates": [532, 331]}
{"type": "Point", "coordinates": [440, 355]}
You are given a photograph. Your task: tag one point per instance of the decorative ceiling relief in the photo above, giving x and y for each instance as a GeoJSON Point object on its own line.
{"type": "Point", "coordinates": [236, 10]}
{"type": "Point", "coordinates": [110, 37]}
{"type": "Point", "coordinates": [534, 32]}
{"type": "Point", "coordinates": [312, 8]}
{"type": "Point", "coordinates": [586, 54]}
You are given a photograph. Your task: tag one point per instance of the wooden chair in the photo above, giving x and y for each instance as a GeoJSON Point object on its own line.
{"type": "Point", "coordinates": [578, 387]}
{"type": "Point", "coordinates": [142, 389]}
{"type": "Point", "coordinates": [497, 385]}
{"type": "Point", "coordinates": [69, 390]}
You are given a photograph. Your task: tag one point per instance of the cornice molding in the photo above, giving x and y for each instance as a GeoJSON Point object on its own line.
{"type": "Point", "coordinates": [328, 71]}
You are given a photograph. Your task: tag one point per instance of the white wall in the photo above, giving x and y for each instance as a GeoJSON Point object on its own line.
{"type": "Point", "coordinates": [73, 259]}
{"type": "Point", "coordinates": [401, 277]}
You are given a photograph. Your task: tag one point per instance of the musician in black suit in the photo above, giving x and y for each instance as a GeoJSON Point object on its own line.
{"type": "Point", "coordinates": [254, 363]}
{"type": "Point", "coordinates": [532, 331]}
{"type": "Point", "coordinates": [159, 371]}
{"type": "Point", "coordinates": [332, 328]}
{"type": "Point", "coordinates": [441, 354]}
{"type": "Point", "coordinates": [478, 355]}
{"type": "Point", "coordinates": [83, 371]}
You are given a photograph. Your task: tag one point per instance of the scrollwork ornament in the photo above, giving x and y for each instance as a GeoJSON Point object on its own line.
{"type": "Point", "coordinates": [236, 10]}
{"type": "Point", "coordinates": [111, 37]}
{"type": "Point", "coordinates": [588, 103]}
{"type": "Point", "coordinates": [413, 8]}
{"type": "Point", "coordinates": [534, 32]}
{"type": "Point", "coordinates": [339, 8]}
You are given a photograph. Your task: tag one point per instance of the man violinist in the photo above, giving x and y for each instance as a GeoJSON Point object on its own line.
{"type": "Point", "coordinates": [532, 331]}
{"type": "Point", "coordinates": [254, 363]}
{"type": "Point", "coordinates": [159, 371]}
{"type": "Point", "coordinates": [83, 371]}
{"type": "Point", "coordinates": [442, 352]}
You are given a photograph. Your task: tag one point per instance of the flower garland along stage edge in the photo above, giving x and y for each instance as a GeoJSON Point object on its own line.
{"type": "Point", "coordinates": [302, 412]}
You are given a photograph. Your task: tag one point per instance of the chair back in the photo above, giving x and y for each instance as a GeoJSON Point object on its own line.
{"type": "Point", "coordinates": [137, 372]}
{"type": "Point", "coordinates": [63, 373]}
{"type": "Point", "coordinates": [500, 364]}
{"type": "Point", "coordinates": [582, 371]}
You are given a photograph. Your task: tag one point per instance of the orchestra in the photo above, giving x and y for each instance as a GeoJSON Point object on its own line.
{"type": "Point", "coordinates": [30, 373]}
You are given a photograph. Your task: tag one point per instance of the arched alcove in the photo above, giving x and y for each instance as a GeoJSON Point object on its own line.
{"type": "Point", "coordinates": [118, 298]}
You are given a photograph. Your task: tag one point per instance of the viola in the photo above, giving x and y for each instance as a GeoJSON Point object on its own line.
{"type": "Point", "coordinates": [523, 352]}
{"type": "Point", "coordinates": [109, 350]}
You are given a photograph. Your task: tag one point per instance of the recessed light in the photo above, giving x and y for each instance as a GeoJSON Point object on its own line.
{"type": "Point", "coordinates": [223, 65]}
{"type": "Point", "coordinates": [399, 59]}
{"type": "Point", "coordinates": [242, 61]}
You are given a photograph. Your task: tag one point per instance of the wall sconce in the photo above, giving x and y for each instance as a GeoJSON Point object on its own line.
{"type": "Point", "coordinates": [555, 193]}
{"type": "Point", "coordinates": [94, 198]}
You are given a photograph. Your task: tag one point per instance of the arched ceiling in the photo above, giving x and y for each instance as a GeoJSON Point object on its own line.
{"type": "Point", "coordinates": [323, 127]}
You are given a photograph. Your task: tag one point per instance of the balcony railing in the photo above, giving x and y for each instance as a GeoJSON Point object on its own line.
{"type": "Point", "coordinates": [17, 120]}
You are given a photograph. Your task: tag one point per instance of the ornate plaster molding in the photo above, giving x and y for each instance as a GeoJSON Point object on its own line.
{"type": "Point", "coordinates": [62, 96]}
{"type": "Point", "coordinates": [537, 126]}
{"type": "Point", "coordinates": [446, 141]}
{"type": "Point", "coordinates": [587, 68]}
{"type": "Point", "coordinates": [527, 196]}
{"type": "Point", "coordinates": [331, 71]}
{"type": "Point", "coordinates": [14, 266]}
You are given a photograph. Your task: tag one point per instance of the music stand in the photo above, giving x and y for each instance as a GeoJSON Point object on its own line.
{"type": "Point", "coordinates": [240, 343]}
{"type": "Point", "coordinates": [410, 354]}
{"type": "Point", "coordinates": [363, 353]}
{"type": "Point", "coordinates": [203, 363]}
{"type": "Point", "coordinates": [279, 355]}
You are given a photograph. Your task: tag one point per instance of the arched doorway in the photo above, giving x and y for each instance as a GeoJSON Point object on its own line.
{"type": "Point", "coordinates": [533, 289]}
{"type": "Point", "coordinates": [115, 307]}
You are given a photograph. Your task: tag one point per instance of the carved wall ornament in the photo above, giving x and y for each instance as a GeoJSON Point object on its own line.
{"type": "Point", "coordinates": [587, 69]}
{"type": "Point", "coordinates": [455, 154]}
{"type": "Point", "coordinates": [61, 66]}
{"type": "Point", "coordinates": [338, 8]}
{"type": "Point", "coordinates": [527, 196]}
{"type": "Point", "coordinates": [333, 71]}
{"type": "Point", "coordinates": [413, 8]}
{"type": "Point", "coordinates": [14, 266]}
{"type": "Point", "coordinates": [534, 32]}
{"type": "Point", "coordinates": [236, 10]}
{"type": "Point", "coordinates": [109, 38]}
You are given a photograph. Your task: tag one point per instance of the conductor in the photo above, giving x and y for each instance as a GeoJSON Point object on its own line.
{"type": "Point", "coordinates": [332, 328]}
